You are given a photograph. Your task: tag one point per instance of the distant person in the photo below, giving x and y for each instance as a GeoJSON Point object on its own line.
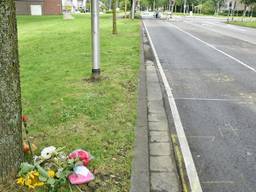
{"type": "Point", "coordinates": [157, 14]}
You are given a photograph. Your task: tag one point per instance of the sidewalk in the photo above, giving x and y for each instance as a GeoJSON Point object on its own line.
{"type": "Point", "coordinates": [154, 168]}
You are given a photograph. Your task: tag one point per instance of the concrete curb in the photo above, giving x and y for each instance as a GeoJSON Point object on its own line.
{"type": "Point", "coordinates": [140, 165]}
{"type": "Point", "coordinates": [153, 167]}
{"type": "Point", "coordinates": [188, 173]}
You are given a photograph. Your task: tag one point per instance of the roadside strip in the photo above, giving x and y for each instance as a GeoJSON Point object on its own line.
{"type": "Point", "coordinates": [192, 175]}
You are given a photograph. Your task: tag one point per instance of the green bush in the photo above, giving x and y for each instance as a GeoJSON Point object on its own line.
{"type": "Point", "coordinates": [208, 7]}
{"type": "Point", "coordinates": [109, 11]}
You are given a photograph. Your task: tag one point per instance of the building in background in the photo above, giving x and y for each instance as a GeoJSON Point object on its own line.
{"type": "Point", "coordinates": [38, 7]}
{"type": "Point", "coordinates": [75, 5]}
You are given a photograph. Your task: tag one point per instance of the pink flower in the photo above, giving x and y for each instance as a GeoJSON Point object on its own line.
{"type": "Point", "coordinates": [83, 156]}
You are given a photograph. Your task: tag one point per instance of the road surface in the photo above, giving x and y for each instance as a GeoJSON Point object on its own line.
{"type": "Point", "coordinates": [212, 71]}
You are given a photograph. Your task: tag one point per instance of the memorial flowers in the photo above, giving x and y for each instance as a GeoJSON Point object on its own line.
{"type": "Point", "coordinates": [53, 168]}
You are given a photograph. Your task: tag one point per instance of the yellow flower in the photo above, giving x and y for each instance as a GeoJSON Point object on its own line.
{"type": "Point", "coordinates": [28, 181]}
{"type": "Point", "coordinates": [36, 173]}
{"type": "Point", "coordinates": [32, 180]}
{"type": "Point", "coordinates": [51, 173]}
{"type": "Point", "coordinates": [39, 184]}
{"type": "Point", "coordinates": [20, 181]}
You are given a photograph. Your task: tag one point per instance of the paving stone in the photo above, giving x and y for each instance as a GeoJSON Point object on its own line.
{"type": "Point", "coordinates": [149, 63]}
{"type": "Point", "coordinates": [164, 182]}
{"type": "Point", "coordinates": [161, 163]}
{"type": "Point", "coordinates": [150, 69]}
{"type": "Point", "coordinates": [147, 51]}
{"type": "Point", "coordinates": [158, 125]}
{"type": "Point", "coordinates": [157, 116]}
{"type": "Point", "coordinates": [156, 106]}
{"type": "Point", "coordinates": [152, 77]}
{"type": "Point", "coordinates": [159, 136]}
{"type": "Point", "coordinates": [154, 91]}
{"type": "Point", "coordinates": [159, 149]}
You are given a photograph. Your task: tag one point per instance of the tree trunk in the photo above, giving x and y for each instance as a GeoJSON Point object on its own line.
{"type": "Point", "coordinates": [114, 31]}
{"type": "Point", "coordinates": [244, 12]}
{"type": "Point", "coordinates": [10, 98]}
{"type": "Point", "coordinates": [133, 9]}
{"type": "Point", "coordinates": [125, 8]}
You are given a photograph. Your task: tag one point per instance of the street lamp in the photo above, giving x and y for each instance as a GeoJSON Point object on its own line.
{"type": "Point", "coordinates": [95, 39]}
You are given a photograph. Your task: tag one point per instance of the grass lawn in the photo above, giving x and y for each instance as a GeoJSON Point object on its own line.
{"type": "Point", "coordinates": [244, 24]}
{"type": "Point", "coordinates": [66, 110]}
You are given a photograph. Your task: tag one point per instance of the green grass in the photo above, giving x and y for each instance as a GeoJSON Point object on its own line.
{"type": "Point", "coordinates": [244, 24]}
{"type": "Point", "coordinates": [66, 110]}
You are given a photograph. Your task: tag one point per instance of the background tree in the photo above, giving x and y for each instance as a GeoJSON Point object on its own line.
{"type": "Point", "coordinates": [125, 8]}
{"type": "Point", "coordinates": [114, 31]}
{"type": "Point", "coordinates": [208, 7]}
{"type": "Point", "coordinates": [217, 5]}
{"type": "Point", "coordinates": [10, 98]}
{"type": "Point", "coordinates": [247, 4]}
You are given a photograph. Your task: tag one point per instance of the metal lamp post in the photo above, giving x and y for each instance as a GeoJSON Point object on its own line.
{"type": "Point", "coordinates": [95, 39]}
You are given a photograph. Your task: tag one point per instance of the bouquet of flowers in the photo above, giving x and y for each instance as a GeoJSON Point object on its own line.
{"type": "Point", "coordinates": [53, 169]}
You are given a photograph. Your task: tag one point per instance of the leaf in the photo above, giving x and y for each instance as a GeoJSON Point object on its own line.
{"type": "Point", "coordinates": [42, 171]}
{"type": "Point", "coordinates": [25, 168]}
{"type": "Point", "coordinates": [51, 181]}
{"type": "Point", "coordinates": [43, 179]}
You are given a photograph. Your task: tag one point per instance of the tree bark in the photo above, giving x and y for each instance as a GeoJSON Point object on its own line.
{"type": "Point", "coordinates": [133, 9]}
{"type": "Point", "coordinates": [245, 9]}
{"type": "Point", "coordinates": [114, 31]}
{"type": "Point", "coordinates": [125, 8]}
{"type": "Point", "coordinates": [10, 95]}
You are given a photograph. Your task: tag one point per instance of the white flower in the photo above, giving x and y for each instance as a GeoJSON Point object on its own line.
{"type": "Point", "coordinates": [47, 152]}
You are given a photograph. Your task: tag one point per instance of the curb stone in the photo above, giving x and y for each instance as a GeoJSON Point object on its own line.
{"type": "Point", "coordinates": [140, 165]}
{"type": "Point", "coordinates": [154, 168]}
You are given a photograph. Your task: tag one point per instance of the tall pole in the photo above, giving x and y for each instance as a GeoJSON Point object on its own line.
{"type": "Point", "coordinates": [95, 39]}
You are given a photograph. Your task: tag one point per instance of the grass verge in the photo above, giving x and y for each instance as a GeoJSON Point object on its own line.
{"type": "Point", "coordinates": [66, 110]}
{"type": "Point", "coordinates": [244, 24]}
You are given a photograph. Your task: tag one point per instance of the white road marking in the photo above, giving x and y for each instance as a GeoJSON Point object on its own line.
{"type": "Point", "coordinates": [212, 138]}
{"type": "Point", "coordinates": [221, 133]}
{"type": "Point", "coordinates": [218, 182]}
{"type": "Point", "coordinates": [204, 99]}
{"type": "Point", "coordinates": [234, 130]}
{"type": "Point", "coordinates": [187, 156]}
{"type": "Point", "coordinates": [216, 49]}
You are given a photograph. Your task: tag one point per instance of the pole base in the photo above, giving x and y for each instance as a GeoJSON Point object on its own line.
{"type": "Point", "coordinates": [95, 74]}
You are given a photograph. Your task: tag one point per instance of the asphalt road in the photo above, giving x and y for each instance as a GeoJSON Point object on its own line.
{"type": "Point", "coordinates": [213, 77]}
